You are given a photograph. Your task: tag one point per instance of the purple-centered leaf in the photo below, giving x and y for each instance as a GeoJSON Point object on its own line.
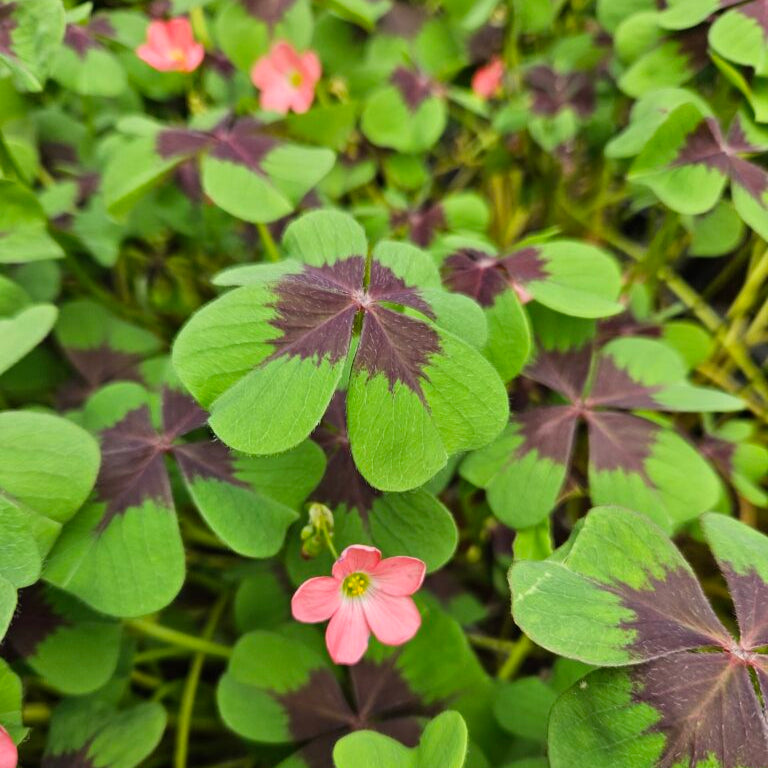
{"type": "Point", "coordinates": [525, 266]}
{"type": "Point", "coordinates": [241, 142]}
{"type": "Point", "coordinates": [757, 10]}
{"type": "Point", "coordinates": [269, 11]}
{"type": "Point", "coordinates": [82, 37]}
{"type": "Point", "coordinates": [415, 87]}
{"type": "Point", "coordinates": [553, 91]}
{"type": "Point", "coordinates": [708, 708]}
{"type": "Point", "coordinates": [422, 223]}
{"type": "Point", "coordinates": [705, 145]}
{"type": "Point", "coordinates": [614, 387]}
{"type": "Point", "coordinates": [475, 274]}
{"type": "Point", "coordinates": [620, 441]}
{"type": "Point", "coordinates": [564, 372]}
{"type": "Point", "coordinates": [181, 414]}
{"type": "Point", "coordinates": [319, 713]}
{"type": "Point", "coordinates": [35, 620]}
{"type": "Point", "coordinates": [549, 431]}
{"type": "Point", "coordinates": [316, 309]}
{"type": "Point", "coordinates": [72, 758]}
{"type": "Point", "coordinates": [207, 460]}
{"type": "Point", "coordinates": [341, 483]}
{"type": "Point", "coordinates": [132, 469]}
{"type": "Point", "coordinates": [403, 20]}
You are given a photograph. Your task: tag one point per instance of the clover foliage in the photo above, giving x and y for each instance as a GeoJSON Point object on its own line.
{"type": "Point", "coordinates": [383, 383]}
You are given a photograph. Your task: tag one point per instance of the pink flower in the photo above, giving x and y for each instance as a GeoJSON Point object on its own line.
{"type": "Point", "coordinates": [171, 47]}
{"type": "Point", "coordinates": [286, 78]}
{"type": "Point", "coordinates": [486, 81]}
{"type": "Point", "coordinates": [9, 757]}
{"type": "Point", "coordinates": [365, 594]}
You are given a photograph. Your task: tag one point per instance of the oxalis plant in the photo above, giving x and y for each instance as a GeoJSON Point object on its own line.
{"type": "Point", "coordinates": [383, 384]}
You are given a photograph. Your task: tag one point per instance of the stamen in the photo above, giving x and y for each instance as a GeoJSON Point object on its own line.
{"type": "Point", "coordinates": [356, 585]}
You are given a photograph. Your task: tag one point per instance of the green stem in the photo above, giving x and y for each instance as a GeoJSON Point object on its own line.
{"type": "Point", "coordinates": [8, 161]}
{"type": "Point", "coordinates": [187, 705]}
{"type": "Point", "coordinates": [495, 644]}
{"type": "Point", "coordinates": [329, 543]}
{"type": "Point", "coordinates": [36, 714]}
{"type": "Point", "coordinates": [523, 647]}
{"type": "Point", "coordinates": [268, 242]}
{"type": "Point", "coordinates": [178, 639]}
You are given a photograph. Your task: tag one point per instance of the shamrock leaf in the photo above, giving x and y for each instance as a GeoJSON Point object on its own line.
{"type": "Point", "coordinates": [632, 460]}
{"type": "Point", "coordinates": [30, 31]}
{"type": "Point", "coordinates": [129, 536]}
{"type": "Point", "coordinates": [101, 347]}
{"type": "Point", "coordinates": [688, 163]}
{"type": "Point", "coordinates": [281, 690]}
{"type": "Point", "coordinates": [47, 469]}
{"type": "Point", "coordinates": [10, 703]}
{"type": "Point", "coordinates": [23, 226]}
{"type": "Point", "coordinates": [278, 347]}
{"type": "Point", "coordinates": [73, 648]}
{"type": "Point", "coordinates": [87, 731]}
{"type": "Point", "coordinates": [408, 114]}
{"type": "Point", "coordinates": [569, 277]}
{"type": "Point", "coordinates": [443, 743]}
{"type": "Point", "coordinates": [412, 523]}
{"type": "Point", "coordinates": [84, 65]}
{"type": "Point", "coordinates": [245, 27]}
{"type": "Point", "coordinates": [244, 170]}
{"type": "Point", "coordinates": [631, 599]}
{"type": "Point", "coordinates": [23, 325]}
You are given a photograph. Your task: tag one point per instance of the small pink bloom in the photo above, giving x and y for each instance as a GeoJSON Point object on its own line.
{"type": "Point", "coordinates": [286, 78]}
{"type": "Point", "coordinates": [365, 594]}
{"type": "Point", "coordinates": [9, 757]}
{"type": "Point", "coordinates": [522, 293]}
{"type": "Point", "coordinates": [486, 81]}
{"type": "Point", "coordinates": [171, 47]}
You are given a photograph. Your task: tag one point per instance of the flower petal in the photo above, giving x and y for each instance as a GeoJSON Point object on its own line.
{"type": "Point", "coordinates": [180, 33]}
{"type": "Point", "coordinates": [9, 756]}
{"type": "Point", "coordinates": [157, 36]}
{"type": "Point", "coordinates": [399, 575]}
{"type": "Point", "coordinates": [311, 67]}
{"type": "Point", "coordinates": [356, 558]}
{"type": "Point", "coordinates": [154, 59]}
{"type": "Point", "coordinates": [394, 620]}
{"type": "Point", "coordinates": [347, 634]}
{"type": "Point", "coordinates": [316, 600]}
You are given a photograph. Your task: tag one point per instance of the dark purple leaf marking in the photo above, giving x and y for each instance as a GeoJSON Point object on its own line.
{"type": "Point", "coordinates": [549, 431]}
{"type": "Point", "coordinates": [207, 461]}
{"type": "Point", "coordinates": [757, 10]}
{"type": "Point", "coordinates": [341, 483]}
{"type": "Point", "coordinates": [620, 441]}
{"type": "Point", "coordinates": [672, 614]}
{"type": "Point", "coordinates": [422, 223]}
{"type": "Point", "coordinates": [750, 599]}
{"type": "Point", "coordinates": [487, 42]}
{"type": "Point", "coordinates": [133, 457]}
{"type": "Point", "coordinates": [693, 44]}
{"type": "Point", "coordinates": [526, 266]}
{"type": "Point", "coordinates": [7, 24]}
{"type": "Point", "coordinates": [243, 144]}
{"type": "Point", "coordinates": [708, 707]}
{"type": "Point", "coordinates": [180, 142]}
{"type": "Point", "coordinates": [35, 621]}
{"type": "Point", "coordinates": [403, 20]}
{"type": "Point", "coordinates": [319, 713]}
{"type": "Point", "coordinates": [613, 386]}
{"type": "Point", "coordinates": [720, 453]}
{"type": "Point", "coordinates": [269, 11]}
{"type": "Point", "coordinates": [181, 414]}
{"type": "Point", "coordinates": [132, 469]}
{"type": "Point", "coordinates": [475, 274]}
{"type": "Point", "coordinates": [706, 146]}
{"type": "Point", "coordinates": [74, 758]}
{"type": "Point", "coordinates": [414, 87]}
{"type": "Point", "coordinates": [554, 91]}
{"type": "Point", "coordinates": [104, 364]}
{"type": "Point", "coordinates": [80, 40]}
{"type": "Point", "coordinates": [396, 346]}
{"type": "Point", "coordinates": [565, 372]}
{"type": "Point", "coordinates": [316, 310]}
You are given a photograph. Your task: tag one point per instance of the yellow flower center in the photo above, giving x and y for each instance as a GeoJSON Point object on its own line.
{"type": "Point", "coordinates": [295, 78]}
{"type": "Point", "coordinates": [356, 585]}
{"type": "Point", "coordinates": [178, 55]}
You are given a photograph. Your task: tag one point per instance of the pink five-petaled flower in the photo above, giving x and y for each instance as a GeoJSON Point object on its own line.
{"type": "Point", "coordinates": [171, 47]}
{"type": "Point", "coordinates": [365, 594]}
{"type": "Point", "coordinates": [286, 78]}
{"type": "Point", "coordinates": [9, 757]}
{"type": "Point", "coordinates": [486, 81]}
